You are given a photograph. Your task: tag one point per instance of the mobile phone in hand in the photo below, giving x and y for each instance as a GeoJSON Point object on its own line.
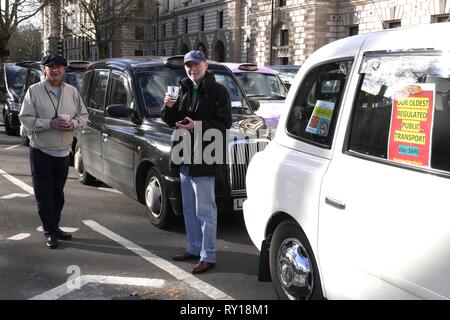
{"type": "Point", "coordinates": [184, 121]}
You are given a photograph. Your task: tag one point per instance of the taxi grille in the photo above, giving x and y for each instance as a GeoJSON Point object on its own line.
{"type": "Point", "coordinates": [239, 156]}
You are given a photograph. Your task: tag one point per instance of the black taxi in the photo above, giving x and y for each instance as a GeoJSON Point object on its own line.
{"type": "Point", "coordinates": [126, 145]}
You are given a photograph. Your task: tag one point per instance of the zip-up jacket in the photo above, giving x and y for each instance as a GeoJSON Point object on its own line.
{"type": "Point", "coordinates": [212, 107]}
{"type": "Point", "coordinates": [38, 111]}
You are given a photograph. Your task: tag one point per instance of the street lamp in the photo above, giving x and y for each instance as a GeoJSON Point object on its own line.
{"type": "Point", "coordinates": [157, 4]}
{"type": "Point", "coordinates": [247, 46]}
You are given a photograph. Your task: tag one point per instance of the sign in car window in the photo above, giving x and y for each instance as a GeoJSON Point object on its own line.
{"type": "Point", "coordinates": [411, 124]}
{"type": "Point", "coordinates": [320, 120]}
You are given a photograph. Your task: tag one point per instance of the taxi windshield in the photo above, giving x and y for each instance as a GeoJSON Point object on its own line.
{"type": "Point", "coordinates": [153, 85]}
{"type": "Point", "coordinates": [15, 77]}
{"type": "Point", "coordinates": [262, 86]}
{"type": "Point", "coordinates": [73, 78]}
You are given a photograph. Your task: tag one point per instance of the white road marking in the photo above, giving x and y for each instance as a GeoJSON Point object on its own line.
{"type": "Point", "coordinates": [15, 195]}
{"type": "Point", "coordinates": [17, 182]}
{"type": "Point", "coordinates": [170, 268]}
{"type": "Point", "coordinates": [65, 229]}
{"type": "Point", "coordinates": [65, 288]}
{"type": "Point", "coordinates": [19, 236]}
{"type": "Point", "coordinates": [12, 147]}
{"type": "Point", "coordinates": [109, 190]}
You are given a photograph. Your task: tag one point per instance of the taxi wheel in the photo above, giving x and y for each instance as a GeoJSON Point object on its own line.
{"type": "Point", "coordinates": [83, 176]}
{"type": "Point", "coordinates": [9, 131]}
{"type": "Point", "coordinates": [157, 200]}
{"type": "Point", "coordinates": [292, 265]}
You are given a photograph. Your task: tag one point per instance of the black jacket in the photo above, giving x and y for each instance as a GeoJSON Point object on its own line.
{"type": "Point", "coordinates": [212, 106]}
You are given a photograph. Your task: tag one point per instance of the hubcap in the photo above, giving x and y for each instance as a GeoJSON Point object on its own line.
{"type": "Point", "coordinates": [153, 197]}
{"type": "Point", "coordinates": [295, 270]}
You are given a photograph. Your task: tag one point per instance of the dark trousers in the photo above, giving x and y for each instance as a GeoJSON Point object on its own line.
{"type": "Point", "coordinates": [49, 175]}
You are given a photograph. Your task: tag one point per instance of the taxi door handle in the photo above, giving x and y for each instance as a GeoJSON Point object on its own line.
{"type": "Point", "coordinates": [335, 203]}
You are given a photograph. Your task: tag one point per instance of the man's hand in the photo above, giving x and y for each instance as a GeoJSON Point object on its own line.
{"type": "Point", "coordinates": [188, 126]}
{"type": "Point", "coordinates": [61, 124]}
{"type": "Point", "coordinates": [168, 101]}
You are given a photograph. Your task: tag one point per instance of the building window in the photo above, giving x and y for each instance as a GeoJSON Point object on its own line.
{"type": "Point", "coordinates": [440, 18]}
{"type": "Point", "coordinates": [220, 19]}
{"type": "Point", "coordinates": [164, 31]}
{"type": "Point", "coordinates": [202, 23]}
{"type": "Point", "coordinates": [392, 24]}
{"type": "Point", "coordinates": [154, 32]}
{"type": "Point", "coordinates": [285, 60]}
{"type": "Point", "coordinates": [140, 8]}
{"type": "Point", "coordinates": [353, 31]}
{"type": "Point", "coordinates": [186, 26]}
{"type": "Point", "coordinates": [139, 33]}
{"type": "Point", "coordinates": [281, 3]}
{"type": "Point", "coordinates": [284, 39]}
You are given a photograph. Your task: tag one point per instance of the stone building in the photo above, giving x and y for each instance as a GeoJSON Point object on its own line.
{"type": "Point", "coordinates": [264, 32]}
{"type": "Point", "coordinates": [299, 27]}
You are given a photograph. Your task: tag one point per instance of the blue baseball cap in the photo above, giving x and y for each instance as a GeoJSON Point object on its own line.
{"type": "Point", "coordinates": [194, 56]}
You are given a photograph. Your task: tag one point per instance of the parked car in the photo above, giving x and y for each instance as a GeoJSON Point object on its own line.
{"type": "Point", "coordinates": [286, 72]}
{"type": "Point", "coordinates": [355, 203]}
{"type": "Point", "coordinates": [35, 73]}
{"type": "Point", "coordinates": [127, 145]}
{"type": "Point", "coordinates": [12, 79]}
{"type": "Point", "coordinates": [261, 84]}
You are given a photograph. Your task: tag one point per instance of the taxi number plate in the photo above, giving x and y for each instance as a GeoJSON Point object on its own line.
{"type": "Point", "coordinates": [238, 203]}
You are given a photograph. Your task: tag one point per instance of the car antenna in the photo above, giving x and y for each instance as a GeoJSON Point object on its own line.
{"type": "Point", "coordinates": [379, 18]}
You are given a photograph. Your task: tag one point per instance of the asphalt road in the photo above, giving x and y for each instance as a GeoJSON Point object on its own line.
{"type": "Point", "coordinates": [115, 252]}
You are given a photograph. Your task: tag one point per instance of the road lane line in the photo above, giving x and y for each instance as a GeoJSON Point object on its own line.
{"type": "Point", "coordinates": [65, 229]}
{"type": "Point", "coordinates": [17, 182]}
{"type": "Point", "coordinates": [12, 147]}
{"type": "Point", "coordinates": [19, 236]}
{"type": "Point", "coordinates": [15, 195]}
{"type": "Point", "coordinates": [164, 265]}
{"type": "Point", "coordinates": [65, 288]}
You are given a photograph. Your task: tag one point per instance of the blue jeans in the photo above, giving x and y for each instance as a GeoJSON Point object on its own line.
{"type": "Point", "coordinates": [200, 214]}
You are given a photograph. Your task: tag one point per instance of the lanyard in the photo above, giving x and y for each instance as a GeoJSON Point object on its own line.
{"type": "Point", "coordinates": [51, 100]}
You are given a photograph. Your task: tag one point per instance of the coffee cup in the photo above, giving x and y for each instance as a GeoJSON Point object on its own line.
{"type": "Point", "coordinates": [65, 117]}
{"type": "Point", "coordinates": [173, 92]}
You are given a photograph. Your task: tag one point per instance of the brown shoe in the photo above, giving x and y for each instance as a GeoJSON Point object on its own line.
{"type": "Point", "coordinates": [202, 266]}
{"type": "Point", "coordinates": [185, 257]}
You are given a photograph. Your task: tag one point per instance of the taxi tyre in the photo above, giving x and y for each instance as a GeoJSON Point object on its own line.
{"type": "Point", "coordinates": [289, 241]}
{"type": "Point", "coordinates": [9, 131]}
{"type": "Point", "coordinates": [83, 176]}
{"type": "Point", "coordinates": [157, 201]}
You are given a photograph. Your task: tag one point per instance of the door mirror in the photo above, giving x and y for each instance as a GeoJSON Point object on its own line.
{"type": "Point", "coordinates": [254, 104]}
{"type": "Point", "coordinates": [118, 111]}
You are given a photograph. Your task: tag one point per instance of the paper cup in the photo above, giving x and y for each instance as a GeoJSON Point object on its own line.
{"type": "Point", "coordinates": [173, 92]}
{"type": "Point", "coordinates": [66, 117]}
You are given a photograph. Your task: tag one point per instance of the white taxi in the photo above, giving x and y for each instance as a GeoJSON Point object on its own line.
{"type": "Point", "coordinates": [349, 201]}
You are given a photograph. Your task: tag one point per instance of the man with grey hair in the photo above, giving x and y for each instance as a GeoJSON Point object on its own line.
{"type": "Point", "coordinates": [202, 103]}
{"type": "Point", "coordinates": [51, 111]}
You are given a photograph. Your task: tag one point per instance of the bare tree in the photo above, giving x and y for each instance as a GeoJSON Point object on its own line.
{"type": "Point", "coordinates": [12, 13]}
{"type": "Point", "coordinates": [26, 43]}
{"type": "Point", "coordinates": [99, 19]}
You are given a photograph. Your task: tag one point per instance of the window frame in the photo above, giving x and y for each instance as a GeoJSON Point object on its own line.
{"type": "Point", "coordinates": [122, 77]}
{"type": "Point", "coordinates": [91, 89]}
{"type": "Point", "coordinates": [338, 106]}
{"type": "Point", "coordinates": [346, 145]}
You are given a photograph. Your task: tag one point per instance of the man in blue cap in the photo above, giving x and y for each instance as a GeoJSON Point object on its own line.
{"type": "Point", "coordinates": [51, 111]}
{"type": "Point", "coordinates": [206, 103]}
